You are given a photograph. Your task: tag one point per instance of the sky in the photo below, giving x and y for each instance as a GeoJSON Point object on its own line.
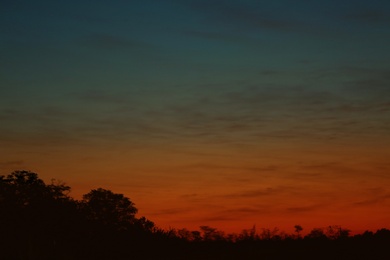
{"type": "Point", "coordinates": [219, 113]}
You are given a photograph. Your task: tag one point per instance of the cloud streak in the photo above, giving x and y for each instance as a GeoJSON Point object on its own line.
{"type": "Point", "coordinates": [14, 165]}
{"type": "Point", "coordinates": [242, 15]}
{"type": "Point", "coordinates": [369, 16]}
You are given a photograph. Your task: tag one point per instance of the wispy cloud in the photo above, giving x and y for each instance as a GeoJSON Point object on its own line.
{"type": "Point", "coordinates": [240, 114]}
{"type": "Point", "coordinates": [237, 113]}
{"type": "Point", "coordinates": [246, 19]}
{"type": "Point", "coordinates": [258, 192]}
{"type": "Point", "coordinates": [170, 211]}
{"type": "Point", "coordinates": [103, 97]}
{"type": "Point", "coordinates": [373, 196]}
{"type": "Point", "coordinates": [370, 16]}
{"type": "Point", "coordinates": [303, 209]}
{"type": "Point", "coordinates": [237, 38]}
{"type": "Point", "coordinates": [115, 42]}
{"type": "Point", "coordinates": [15, 165]}
{"type": "Point", "coordinates": [204, 166]}
{"type": "Point", "coordinates": [241, 14]}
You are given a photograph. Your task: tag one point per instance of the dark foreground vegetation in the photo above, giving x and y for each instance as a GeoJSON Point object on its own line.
{"type": "Point", "coordinates": [40, 221]}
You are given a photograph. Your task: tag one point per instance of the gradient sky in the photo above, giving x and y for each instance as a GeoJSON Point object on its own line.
{"type": "Point", "coordinates": [220, 113]}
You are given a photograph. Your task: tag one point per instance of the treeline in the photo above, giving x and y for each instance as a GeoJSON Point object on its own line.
{"type": "Point", "coordinates": [41, 221]}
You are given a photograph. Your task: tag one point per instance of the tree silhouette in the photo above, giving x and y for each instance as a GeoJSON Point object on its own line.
{"type": "Point", "coordinates": [336, 232]}
{"type": "Point", "coordinates": [145, 224]}
{"type": "Point", "coordinates": [24, 193]}
{"type": "Point", "coordinates": [298, 230]}
{"type": "Point", "coordinates": [24, 189]}
{"type": "Point", "coordinates": [316, 233]}
{"type": "Point", "coordinates": [36, 215]}
{"type": "Point", "coordinates": [248, 234]}
{"type": "Point", "coordinates": [211, 234]}
{"type": "Point", "coordinates": [108, 208]}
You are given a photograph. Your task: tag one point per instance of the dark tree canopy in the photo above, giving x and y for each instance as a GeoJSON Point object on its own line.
{"type": "Point", "coordinates": [109, 208]}
{"type": "Point", "coordinates": [39, 219]}
{"type": "Point", "coordinates": [22, 190]}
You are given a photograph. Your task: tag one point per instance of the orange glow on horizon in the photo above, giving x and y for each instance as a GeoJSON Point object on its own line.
{"type": "Point", "coordinates": [186, 187]}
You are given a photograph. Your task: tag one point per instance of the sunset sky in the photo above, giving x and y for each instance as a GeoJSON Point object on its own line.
{"type": "Point", "coordinates": [205, 112]}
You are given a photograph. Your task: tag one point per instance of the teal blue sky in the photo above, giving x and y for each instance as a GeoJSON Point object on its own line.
{"type": "Point", "coordinates": [198, 87]}
{"type": "Point", "coordinates": [72, 61]}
